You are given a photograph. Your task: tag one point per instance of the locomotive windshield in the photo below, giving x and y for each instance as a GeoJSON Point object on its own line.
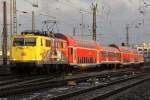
{"type": "Point", "coordinates": [24, 42]}
{"type": "Point", "coordinates": [30, 41]}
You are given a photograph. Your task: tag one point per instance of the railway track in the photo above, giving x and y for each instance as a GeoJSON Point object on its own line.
{"type": "Point", "coordinates": [22, 79]}
{"type": "Point", "coordinates": [8, 87]}
{"type": "Point", "coordinates": [99, 91]}
{"type": "Point", "coordinates": [32, 85]}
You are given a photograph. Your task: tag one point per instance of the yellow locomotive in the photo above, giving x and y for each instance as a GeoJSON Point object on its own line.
{"type": "Point", "coordinates": [30, 50]}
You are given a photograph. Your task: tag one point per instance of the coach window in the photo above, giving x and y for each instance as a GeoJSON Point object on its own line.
{"type": "Point", "coordinates": [104, 54]}
{"type": "Point", "coordinates": [116, 54]}
{"type": "Point", "coordinates": [86, 60]}
{"type": "Point", "coordinates": [113, 54]}
{"type": "Point", "coordinates": [145, 49]}
{"type": "Point", "coordinates": [109, 54]}
{"type": "Point", "coordinates": [92, 60]}
{"type": "Point", "coordinates": [83, 59]}
{"type": "Point", "coordinates": [140, 49]}
{"type": "Point", "coordinates": [89, 60]}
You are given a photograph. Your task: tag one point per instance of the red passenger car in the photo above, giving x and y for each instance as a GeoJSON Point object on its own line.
{"type": "Point", "coordinates": [82, 53]}
{"type": "Point", "coordinates": [88, 53]}
{"type": "Point", "coordinates": [110, 55]}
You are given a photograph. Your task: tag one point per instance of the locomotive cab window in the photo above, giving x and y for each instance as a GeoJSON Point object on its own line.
{"type": "Point", "coordinates": [30, 42]}
{"type": "Point", "coordinates": [24, 42]}
{"type": "Point", "coordinates": [18, 42]}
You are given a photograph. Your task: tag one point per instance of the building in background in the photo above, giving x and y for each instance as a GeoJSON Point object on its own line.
{"type": "Point", "coordinates": [144, 49]}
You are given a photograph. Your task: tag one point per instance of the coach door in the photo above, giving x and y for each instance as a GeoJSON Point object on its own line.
{"type": "Point", "coordinates": [74, 55]}
{"type": "Point", "coordinates": [97, 59]}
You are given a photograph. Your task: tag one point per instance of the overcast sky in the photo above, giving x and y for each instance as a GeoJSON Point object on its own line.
{"type": "Point", "coordinates": [112, 17]}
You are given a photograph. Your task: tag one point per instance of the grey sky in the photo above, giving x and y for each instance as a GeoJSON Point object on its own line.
{"type": "Point", "coordinates": [112, 16]}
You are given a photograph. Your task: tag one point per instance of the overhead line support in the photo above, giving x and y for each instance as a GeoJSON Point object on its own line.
{"type": "Point", "coordinates": [94, 21]}
{"type": "Point", "coordinates": [4, 34]}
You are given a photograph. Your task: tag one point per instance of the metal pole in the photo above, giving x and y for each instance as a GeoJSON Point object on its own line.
{"type": "Point", "coordinates": [33, 21]}
{"type": "Point", "coordinates": [127, 35]}
{"type": "Point", "coordinates": [82, 24]}
{"type": "Point", "coordinates": [4, 46]}
{"type": "Point", "coordinates": [14, 18]}
{"type": "Point", "coordinates": [74, 31]}
{"type": "Point", "coordinates": [94, 21]}
{"type": "Point", "coordinates": [11, 27]}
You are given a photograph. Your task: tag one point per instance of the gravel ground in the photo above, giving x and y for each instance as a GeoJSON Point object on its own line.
{"type": "Point", "coordinates": [139, 92]}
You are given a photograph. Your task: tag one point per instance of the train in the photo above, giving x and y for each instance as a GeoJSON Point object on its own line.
{"type": "Point", "coordinates": [46, 52]}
